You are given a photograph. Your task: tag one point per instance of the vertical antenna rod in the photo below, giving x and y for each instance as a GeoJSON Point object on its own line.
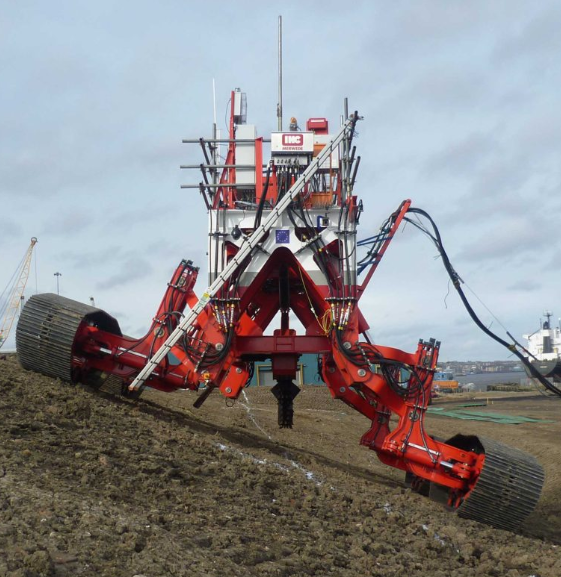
{"type": "Point", "coordinates": [279, 105]}
{"type": "Point", "coordinates": [215, 145]}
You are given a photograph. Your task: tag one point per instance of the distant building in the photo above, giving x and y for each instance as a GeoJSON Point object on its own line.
{"type": "Point", "coordinates": [307, 372]}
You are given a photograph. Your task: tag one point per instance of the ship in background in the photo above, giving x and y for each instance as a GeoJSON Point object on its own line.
{"type": "Point", "coordinates": [544, 348]}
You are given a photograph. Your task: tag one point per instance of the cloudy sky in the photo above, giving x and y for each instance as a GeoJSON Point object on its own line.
{"type": "Point", "coordinates": [461, 114]}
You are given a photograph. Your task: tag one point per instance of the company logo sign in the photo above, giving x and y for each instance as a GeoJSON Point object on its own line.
{"type": "Point", "coordinates": [294, 139]}
{"type": "Point", "coordinates": [289, 142]}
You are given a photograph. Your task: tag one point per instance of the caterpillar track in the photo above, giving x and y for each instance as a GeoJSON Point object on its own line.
{"type": "Point", "coordinates": [508, 487]}
{"type": "Point", "coordinates": [46, 333]}
{"type": "Point", "coordinates": [505, 493]}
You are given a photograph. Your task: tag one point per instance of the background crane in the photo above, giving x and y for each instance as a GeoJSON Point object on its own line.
{"type": "Point", "coordinates": [10, 299]}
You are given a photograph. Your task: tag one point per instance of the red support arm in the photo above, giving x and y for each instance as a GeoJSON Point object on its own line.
{"type": "Point", "coordinates": [397, 217]}
{"type": "Point", "coordinates": [371, 379]}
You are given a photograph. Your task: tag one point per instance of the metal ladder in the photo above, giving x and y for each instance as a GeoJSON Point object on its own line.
{"type": "Point", "coordinates": [245, 250]}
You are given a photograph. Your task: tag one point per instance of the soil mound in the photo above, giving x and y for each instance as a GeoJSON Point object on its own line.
{"type": "Point", "coordinates": [94, 485]}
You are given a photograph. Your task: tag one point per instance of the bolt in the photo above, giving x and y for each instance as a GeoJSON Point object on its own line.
{"type": "Point", "coordinates": [331, 369]}
{"type": "Point", "coordinates": [361, 373]}
{"type": "Point", "coordinates": [342, 389]}
{"type": "Point", "coordinates": [218, 346]}
{"type": "Point", "coordinates": [238, 370]}
{"type": "Point", "coordinates": [347, 345]}
{"type": "Point", "coordinates": [228, 390]}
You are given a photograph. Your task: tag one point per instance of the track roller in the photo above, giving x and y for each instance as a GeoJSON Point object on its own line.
{"type": "Point", "coordinates": [47, 329]}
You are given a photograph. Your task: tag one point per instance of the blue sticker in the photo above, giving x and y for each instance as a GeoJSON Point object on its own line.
{"type": "Point", "coordinates": [282, 236]}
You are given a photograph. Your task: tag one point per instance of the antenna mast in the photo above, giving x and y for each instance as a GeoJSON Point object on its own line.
{"type": "Point", "coordinates": [279, 105]}
{"type": "Point", "coordinates": [215, 145]}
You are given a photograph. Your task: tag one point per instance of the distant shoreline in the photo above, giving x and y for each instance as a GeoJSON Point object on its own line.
{"type": "Point", "coordinates": [481, 380]}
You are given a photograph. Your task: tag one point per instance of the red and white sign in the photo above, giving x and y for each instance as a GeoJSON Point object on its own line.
{"type": "Point", "coordinates": [292, 142]}
{"type": "Point", "coordinates": [293, 139]}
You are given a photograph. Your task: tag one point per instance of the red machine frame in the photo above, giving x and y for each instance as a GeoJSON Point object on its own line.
{"type": "Point", "coordinates": [362, 386]}
{"type": "Point", "coordinates": [218, 349]}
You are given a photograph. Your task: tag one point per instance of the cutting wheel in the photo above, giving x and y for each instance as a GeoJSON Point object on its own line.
{"type": "Point", "coordinates": [507, 489]}
{"type": "Point", "coordinates": [47, 329]}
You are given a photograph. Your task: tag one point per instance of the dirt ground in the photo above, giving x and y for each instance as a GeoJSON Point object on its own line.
{"type": "Point", "coordinates": [92, 485]}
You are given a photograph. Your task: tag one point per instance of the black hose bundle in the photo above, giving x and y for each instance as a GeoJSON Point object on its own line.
{"type": "Point", "coordinates": [456, 281]}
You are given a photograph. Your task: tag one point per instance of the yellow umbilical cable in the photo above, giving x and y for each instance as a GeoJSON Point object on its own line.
{"type": "Point", "coordinates": [326, 321]}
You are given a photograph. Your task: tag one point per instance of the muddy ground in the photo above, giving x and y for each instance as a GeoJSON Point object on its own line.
{"type": "Point", "coordinates": [92, 485]}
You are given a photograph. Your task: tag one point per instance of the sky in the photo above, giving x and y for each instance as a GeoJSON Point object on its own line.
{"type": "Point", "coordinates": [460, 107]}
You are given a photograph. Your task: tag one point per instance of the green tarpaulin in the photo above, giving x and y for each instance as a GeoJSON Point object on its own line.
{"type": "Point", "coordinates": [483, 416]}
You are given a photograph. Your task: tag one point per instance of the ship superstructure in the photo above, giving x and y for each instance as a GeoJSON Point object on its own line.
{"type": "Point", "coordinates": [544, 348]}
